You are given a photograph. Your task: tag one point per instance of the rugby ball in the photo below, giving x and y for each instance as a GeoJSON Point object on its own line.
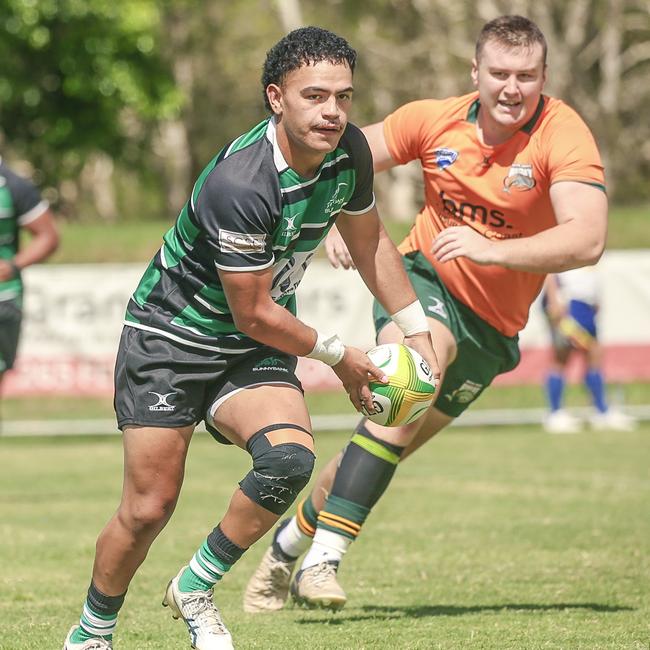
{"type": "Point", "coordinates": [410, 388]}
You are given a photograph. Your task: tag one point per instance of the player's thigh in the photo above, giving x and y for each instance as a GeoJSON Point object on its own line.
{"type": "Point", "coordinates": [154, 462]}
{"type": "Point", "coordinates": [261, 391]}
{"type": "Point", "coordinates": [432, 423]}
{"type": "Point", "coordinates": [444, 343]}
{"type": "Point", "coordinates": [248, 411]}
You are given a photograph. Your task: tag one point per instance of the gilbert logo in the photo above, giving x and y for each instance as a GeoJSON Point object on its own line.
{"type": "Point", "coordinates": [162, 404]}
{"type": "Point", "coordinates": [241, 242]}
{"type": "Point", "coordinates": [290, 225]}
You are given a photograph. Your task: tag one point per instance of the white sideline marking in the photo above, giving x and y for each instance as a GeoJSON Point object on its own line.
{"type": "Point", "coordinates": [477, 418]}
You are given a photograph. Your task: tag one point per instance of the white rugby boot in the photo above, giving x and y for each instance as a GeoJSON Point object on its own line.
{"type": "Point", "coordinates": [317, 586]}
{"type": "Point", "coordinates": [562, 421]}
{"type": "Point", "coordinates": [203, 620]}
{"type": "Point", "coordinates": [612, 420]}
{"type": "Point", "coordinates": [89, 644]}
{"type": "Point", "coordinates": [268, 588]}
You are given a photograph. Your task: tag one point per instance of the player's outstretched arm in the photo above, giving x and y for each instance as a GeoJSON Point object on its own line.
{"type": "Point", "coordinates": [380, 265]}
{"type": "Point", "coordinates": [577, 240]}
{"type": "Point", "coordinates": [44, 241]}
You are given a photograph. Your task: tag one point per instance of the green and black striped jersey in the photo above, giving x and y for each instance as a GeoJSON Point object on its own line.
{"type": "Point", "coordinates": [20, 203]}
{"type": "Point", "coordinates": [248, 211]}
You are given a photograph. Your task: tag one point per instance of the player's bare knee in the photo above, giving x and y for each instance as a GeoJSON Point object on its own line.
{"type": "Point", "coordinates": [143, 515]}
{"type": "Point", "coordinates": [283, 462]}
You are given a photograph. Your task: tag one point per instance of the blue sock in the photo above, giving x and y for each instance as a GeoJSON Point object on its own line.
{"type": "Point", "coordinates": [596, 385]}
{"type": "Point", "coordinates": [554, 390]}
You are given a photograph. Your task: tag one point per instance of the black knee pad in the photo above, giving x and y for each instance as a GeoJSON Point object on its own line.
{"type": "Point", "coordinates": [279, 472]}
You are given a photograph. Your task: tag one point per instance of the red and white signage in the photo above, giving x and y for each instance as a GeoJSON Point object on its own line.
{"type": "Point", "coordinates": [73, 319]}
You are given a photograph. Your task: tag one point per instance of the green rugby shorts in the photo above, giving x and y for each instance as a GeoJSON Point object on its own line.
{"type": "Point", "coordinates": [483, 352]}
{"type": "Point", "coordinates": [162, 383]}
{"type": "Point", "coordinates": [11, 316]}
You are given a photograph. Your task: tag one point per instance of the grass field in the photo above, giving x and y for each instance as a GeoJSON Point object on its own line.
{"type": "Point", "coordinates": [137, 241]}
{"type": "Point", "coordinates": [499, 540]}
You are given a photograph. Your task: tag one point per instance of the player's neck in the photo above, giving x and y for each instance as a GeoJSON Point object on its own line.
{"type": "Point", "coordinates": [492, 134]}
{"type": "Point", "coordinates": [301, 159]}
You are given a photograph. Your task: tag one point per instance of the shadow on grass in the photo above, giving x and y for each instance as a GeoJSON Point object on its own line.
{"type": "Point", "coordinates": [370, 612]}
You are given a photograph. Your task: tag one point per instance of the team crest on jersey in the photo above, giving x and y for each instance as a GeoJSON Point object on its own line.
{"type": "Point", "coordinates": [445, 157]}
{"type": "Point", "coordinates": [520, 177]}
{"type": "Point", "coordinates": [337, 200]}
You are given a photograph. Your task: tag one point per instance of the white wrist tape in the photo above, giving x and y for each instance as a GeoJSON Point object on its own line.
{"type": "Point", "coordinates": [411, 319]}
{"type": "Point", "coordinates": [328, 349]}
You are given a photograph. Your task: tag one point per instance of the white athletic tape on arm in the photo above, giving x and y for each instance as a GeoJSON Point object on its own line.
{"type": "Point", "coordinates": [411, 319]}
{"type": "Point", "coordinates": [328, 349]}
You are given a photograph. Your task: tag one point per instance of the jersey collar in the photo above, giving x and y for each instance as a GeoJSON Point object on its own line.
{"type": "Point", "coordinates": [472, 114]}
{"type": "Point", "coordinates": [280, 163]}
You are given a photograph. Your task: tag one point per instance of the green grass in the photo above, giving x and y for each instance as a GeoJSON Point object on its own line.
{"type": "Point", "coordinates": [503, 540]}
{"type": "Point", "coordinates": [137, 241]}
{"type": "Point", "coordinates": [320, 403]}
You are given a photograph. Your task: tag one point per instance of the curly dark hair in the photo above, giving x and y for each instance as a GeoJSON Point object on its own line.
{"type": "Point", "coordinates": [304, 46]}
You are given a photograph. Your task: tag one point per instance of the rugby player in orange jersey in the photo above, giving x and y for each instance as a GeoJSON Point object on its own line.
{"type": "Point", "coordinates": [513, 190]}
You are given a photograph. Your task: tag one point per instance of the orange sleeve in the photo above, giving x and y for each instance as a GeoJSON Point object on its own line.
{"type": "Point", "coordinates": [408, 129]}
{"type": "Point", "coordinates": [572, 153]}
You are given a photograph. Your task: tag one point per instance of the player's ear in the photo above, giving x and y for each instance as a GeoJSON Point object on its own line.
{"type": "Point", "coordinates": [274, 95]}
{"type": "Point", "coordinates": [474, 72]}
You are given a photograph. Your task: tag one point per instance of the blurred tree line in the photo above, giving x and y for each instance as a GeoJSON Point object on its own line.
{"type": "Point", "coordinates": [118, 104]}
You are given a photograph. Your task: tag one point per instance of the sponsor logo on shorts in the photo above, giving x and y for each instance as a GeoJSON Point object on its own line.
{"type": "Point", "coordinates": [270, 363]}
{"type": "Point", "coordinates": [466, 393]}
{"type": "Point", "coordinates": [520, 177]}
{"type": "Point", "coordinates": [241, 242]}
{"type": "Point", "coordinates": [438, 307]}
{"type": "Point", "coordinates": [162, 404]}
{"type": "Point", "coordinates": [445, 157]}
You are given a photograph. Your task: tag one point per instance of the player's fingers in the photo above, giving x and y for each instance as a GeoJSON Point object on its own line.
{"type": "Point", "coordinates": [376, 373]}
{"type": "Point", "coordinates": [365, 396]}
{"type": "Point", "coordinates": [448, 251]}
{"type": "Point", "coordinates": [355, 398]}
{"type": "Point", "coordinates": [346, 260]}
{"type": "Point", "coordinates": [332, 257]}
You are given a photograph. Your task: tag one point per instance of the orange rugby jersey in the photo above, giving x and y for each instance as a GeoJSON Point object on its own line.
{"type": "Point", "coordinates": [500, 191]}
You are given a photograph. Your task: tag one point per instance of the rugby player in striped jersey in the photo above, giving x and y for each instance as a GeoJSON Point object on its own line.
{"type": "Point", "coordinates": [211, 331]}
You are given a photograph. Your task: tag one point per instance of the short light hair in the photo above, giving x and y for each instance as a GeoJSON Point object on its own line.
{"type": "Point", "coordinates": [511, 32]}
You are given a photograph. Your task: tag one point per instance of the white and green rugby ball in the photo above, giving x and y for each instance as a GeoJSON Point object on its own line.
{"type": "Point", "coordinates": [410, 388]}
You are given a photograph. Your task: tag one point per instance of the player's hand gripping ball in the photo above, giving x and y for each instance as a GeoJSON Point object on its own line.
{"type": "Point", "coordinates": [410, 388]}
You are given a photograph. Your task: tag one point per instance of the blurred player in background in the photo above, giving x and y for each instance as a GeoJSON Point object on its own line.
{"type": "Point", "coordinates": [21, 209]}
{"type": "Point", "coordinates": [571, 302]}
{"type": "Point", "coordinates": [514, 189]}
{"type": "Point", "coordinates": [211, 332]}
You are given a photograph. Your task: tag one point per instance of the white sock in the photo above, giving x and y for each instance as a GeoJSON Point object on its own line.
{"type": "Point", "coordinates": [292, 540]}
{"type": "Point", "coordinates": [326, 547]}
